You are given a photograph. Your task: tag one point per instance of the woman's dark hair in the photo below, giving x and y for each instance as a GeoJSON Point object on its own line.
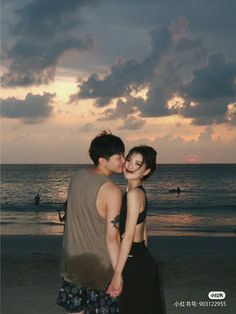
{"type": "Point", "coordinates": [149, 157]}
{"type": "Point", "coordinates": [105, 145]}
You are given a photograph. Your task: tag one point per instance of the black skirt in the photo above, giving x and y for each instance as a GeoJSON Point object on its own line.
{"type": "Point", "coordinates": [141, 288]}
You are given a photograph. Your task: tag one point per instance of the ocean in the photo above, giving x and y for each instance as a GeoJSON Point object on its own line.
{"type": "Point", "coordinates": [206, 205]}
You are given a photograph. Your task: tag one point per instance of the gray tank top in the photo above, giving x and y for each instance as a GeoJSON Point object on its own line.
{"type": "Point", "coordinates": [85, 260]}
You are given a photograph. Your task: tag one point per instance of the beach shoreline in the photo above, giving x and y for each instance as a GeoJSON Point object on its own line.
{"type": "Point", "coordinates": [190, 267]}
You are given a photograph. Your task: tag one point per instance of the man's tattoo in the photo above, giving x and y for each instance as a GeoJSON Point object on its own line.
{"type": "Point", "coordinates": [115, 222]}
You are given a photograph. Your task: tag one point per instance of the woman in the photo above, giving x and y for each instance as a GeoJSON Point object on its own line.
{"type": "Point", "coordinates": [136, 269]}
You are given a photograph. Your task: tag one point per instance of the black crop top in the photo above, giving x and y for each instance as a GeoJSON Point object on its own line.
{"type": "Point", "coordinates": [123, 212]}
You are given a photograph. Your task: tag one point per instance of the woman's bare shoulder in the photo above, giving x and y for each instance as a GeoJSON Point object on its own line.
{"type": "Point", "coordinates": [135, 194]}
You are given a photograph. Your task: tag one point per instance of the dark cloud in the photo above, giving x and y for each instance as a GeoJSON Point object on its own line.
{"type": "Point", "coordinates": [116, 84]}
{"type": "Point", "coordinates": [162, 72]}
{"type": "Point", "coordinates": [206, 96]}
{"type": "Point", "coordinates": [177, 65]}
{"type": "Point", "coordinates": [33, 109]}
{"type": "Point", "coordinates": [204, 113]}
{"type": "Point", "coordinates": [212, 89]}
{"type": "Point", "coordinates": [126, 112]}
{"type": "Point", "coordinates": [160, 91]}
{"type": "Point", "coordinates": [146, 14]}
{"type": "Point", "coordinates": [216, 80]}
{"type": "Point", "coordinates": [132, 123]}
{"type": "Point", "coordinates": [187, 44]}
{"type": "Point", "coordinates": [130, 20]}
{"type": "Point", "coordinates": [42, 34]}
{"type": "Point", "coordinates": [44, 18]}
{"type": "Point", "coordinates": [122, 110]}
{"type": "Point", "coordinates": [174, 64]}
{"type": "Point", "coordinates": [34, 63]}
{"type": "Point", "coordinates": [126, 75]}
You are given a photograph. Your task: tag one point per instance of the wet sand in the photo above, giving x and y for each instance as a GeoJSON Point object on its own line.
{"type": "Point", "coordinates": [190, 267]}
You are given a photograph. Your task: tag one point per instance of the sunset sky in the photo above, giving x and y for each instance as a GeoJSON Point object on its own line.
{"type": "Point", "coordinates": [161, 73]}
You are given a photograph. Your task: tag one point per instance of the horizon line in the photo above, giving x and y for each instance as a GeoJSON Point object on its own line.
{"type": "Point", "coordinates": [178, 163]}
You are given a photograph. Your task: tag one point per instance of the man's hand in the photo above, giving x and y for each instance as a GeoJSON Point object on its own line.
{"type": "Point", "coordinates": [116, 285]}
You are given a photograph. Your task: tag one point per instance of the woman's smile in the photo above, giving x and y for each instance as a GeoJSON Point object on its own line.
{"type": "Point", "coordinates": [129, 171]}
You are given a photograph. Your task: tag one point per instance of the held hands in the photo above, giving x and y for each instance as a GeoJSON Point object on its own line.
{"type": "Point", "coordinates": [116, 285]}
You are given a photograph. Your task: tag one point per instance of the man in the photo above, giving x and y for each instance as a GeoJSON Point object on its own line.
{"type": "Point", "coordinates": [91, 239]}
{"type": "Point", "coordinates": [37, 200]}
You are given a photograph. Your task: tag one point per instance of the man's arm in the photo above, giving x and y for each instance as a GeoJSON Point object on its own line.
{"type": "Point", "coordinates": [113, 206]}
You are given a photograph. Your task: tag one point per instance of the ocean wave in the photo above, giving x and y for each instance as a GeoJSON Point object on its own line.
{"type": "Point", "coordinates": [154, 208]}
{"type": "Point", "coordinates": [43, 207]}
{"type": "Point", "coordinates": [48, 223]}
{"type": "Point", "coordinates": [198, 230]}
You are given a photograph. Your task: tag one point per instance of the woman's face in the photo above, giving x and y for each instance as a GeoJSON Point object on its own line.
{"type": "Point", "coordinates": [134, 168]}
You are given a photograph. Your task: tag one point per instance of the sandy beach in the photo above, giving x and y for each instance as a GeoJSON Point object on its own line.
{"type": "Point", "coordinates": [190, 267]}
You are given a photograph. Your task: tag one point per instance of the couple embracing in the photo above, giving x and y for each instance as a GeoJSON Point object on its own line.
{"type": "Point", "coordinates": [106, 266]}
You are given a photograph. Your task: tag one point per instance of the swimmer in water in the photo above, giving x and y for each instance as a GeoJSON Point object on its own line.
{"type": "Point", "coordinates": [176, 191]}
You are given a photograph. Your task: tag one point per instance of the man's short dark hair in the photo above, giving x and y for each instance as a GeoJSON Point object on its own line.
{"type": "Point", "coordinates": [105, 145]}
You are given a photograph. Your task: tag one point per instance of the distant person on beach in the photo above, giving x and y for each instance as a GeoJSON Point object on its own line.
{"type": "Point", "coordinates": [37, 200]}
{"type": "Point", "coordinates": [62, 217]}
{"type": "Point", "coordinates": [141, 292]}
{"type": "Point", "coordinates": [91, 240]}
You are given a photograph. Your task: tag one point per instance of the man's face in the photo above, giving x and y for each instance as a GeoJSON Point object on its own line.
{"type": "Point", "coordinates": [115, 163]}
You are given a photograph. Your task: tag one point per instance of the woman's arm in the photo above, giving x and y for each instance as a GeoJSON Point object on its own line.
{"type": "Point", "coordinates": [134, 204]}
{"type": "Point", "coordinates": [145, 234]}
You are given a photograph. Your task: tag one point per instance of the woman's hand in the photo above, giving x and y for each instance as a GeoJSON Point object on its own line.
{"type": "Point", "coordinates": [116, 285]}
